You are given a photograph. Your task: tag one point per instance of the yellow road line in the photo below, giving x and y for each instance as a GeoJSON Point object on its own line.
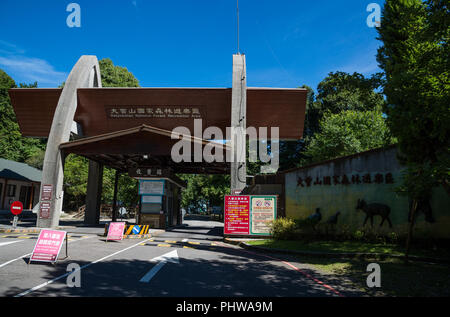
{"type": "Point", "coordinates": [170, 241]}
{"type": "Point", "coordinates": [196, 243]}
{"type": "Point", "coordinates": [23, 237]}
{"type": "Point", "coordinates": [164, 245]}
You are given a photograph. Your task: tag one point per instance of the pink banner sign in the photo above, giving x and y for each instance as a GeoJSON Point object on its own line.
{"type": "Point", "coordinates": [48, 245]}
{"type": "Point", "coordinates": [115, 231]}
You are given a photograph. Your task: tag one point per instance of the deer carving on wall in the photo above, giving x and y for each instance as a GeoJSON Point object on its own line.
{"type": "Point", "coordinates": [374, 209]}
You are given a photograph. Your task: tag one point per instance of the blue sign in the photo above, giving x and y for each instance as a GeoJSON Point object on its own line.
{"type": "Point", "coordinates": [136, 229]}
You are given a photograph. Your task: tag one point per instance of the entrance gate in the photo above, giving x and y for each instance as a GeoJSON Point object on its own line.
{"type": "Point", "coordinates": [128, 128]}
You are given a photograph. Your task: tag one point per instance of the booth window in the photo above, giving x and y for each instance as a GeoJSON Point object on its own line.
{"type": "Point", "coordinates": [11, 190]}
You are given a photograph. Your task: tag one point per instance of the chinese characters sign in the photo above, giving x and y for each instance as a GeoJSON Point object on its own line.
{"type": "Point", "coordinates": [346, 180]}
{"type": "Point", "coordinates": [115, 231]}
{"type": "Point", "coordinates": [263, 211]}
{"type": "Point", "coordinates": [155, 112]}
{"type": "Point", "coordinates": [249, 215]}
{"type": "Point", "coordinates": [48, 245]}
{"type": "Point", "coordinates": [45, 204]}
{"type": "Point", "coordinates": [151, 187]}
{"type": "Point", "coordinates": [237, 215]}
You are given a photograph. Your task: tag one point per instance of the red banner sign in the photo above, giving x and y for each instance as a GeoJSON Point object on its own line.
{"type": "Point", "coordinates": [237, 215]}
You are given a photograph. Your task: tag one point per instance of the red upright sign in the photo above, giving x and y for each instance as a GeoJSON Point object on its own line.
{"type": "Point", "coordinates": [16, 208]}
{"type": "Point", "coordinates": [237, 215]}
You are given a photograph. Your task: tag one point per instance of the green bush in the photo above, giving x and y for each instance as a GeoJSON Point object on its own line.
{"type": "Point", "coordinates": [283, 229]}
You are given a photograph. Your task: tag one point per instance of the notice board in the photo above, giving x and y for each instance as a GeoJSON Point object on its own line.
{"type": "Point", "coordinates": [249, 214]}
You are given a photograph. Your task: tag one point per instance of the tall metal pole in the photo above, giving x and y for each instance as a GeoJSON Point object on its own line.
{"type": "Point", "coordinates": [114, 209]}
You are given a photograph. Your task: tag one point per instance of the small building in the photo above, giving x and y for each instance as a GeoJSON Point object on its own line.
{"type": "Point", "coordinates": [19, 181]}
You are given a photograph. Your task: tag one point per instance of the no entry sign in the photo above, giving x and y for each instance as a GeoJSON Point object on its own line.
{"type": "Point", "coordinates": [16, 208]}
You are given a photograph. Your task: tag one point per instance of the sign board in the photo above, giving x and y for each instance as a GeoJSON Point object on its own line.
{"type": "Point", "coordinates": [237, 215]}
{"type": "Point", "coordinates": [48, 245]}
{"type": "Point", "coordinates": [115, 231]}
{"type": "Point", "coordinates": [47, 191]}
{"type": "Point", "coordinates": [151, 187]}
{"type": "Point", "coordinates": [151, 199]}
{"type": "Point", "coordinates": [44, 209]}
{"type": "Point", "coordinates": [16, 208]}
{"type": "Point", "coordinates": [263, 211]}
{"type": "Point", "coordinates": [249, 215]}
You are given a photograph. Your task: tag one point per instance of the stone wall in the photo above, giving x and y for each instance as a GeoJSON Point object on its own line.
{"type": "Point", "coordinates": [336, 185]}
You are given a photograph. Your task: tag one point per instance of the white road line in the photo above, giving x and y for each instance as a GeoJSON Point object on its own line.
{"type": "Point", "coordinates": [163, 259]}
{"type": "Point", "coordinates": [11, 261]}
{"type": "Point", "coordinates": [10, 242]}
{"type": "Point", "coordinates": [184, 240]}
{"type": "Point", "coordinates": [83, 267]}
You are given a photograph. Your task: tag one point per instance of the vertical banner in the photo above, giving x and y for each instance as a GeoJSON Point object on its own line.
{"type": "Point", "coordinates": [48, 245]}
{"type": "Point", "coordinates": [237, 215]}
{"type": "Point", "coordinates": [115, 231]}
{"type": "Point", "coordinates": [263, 211]}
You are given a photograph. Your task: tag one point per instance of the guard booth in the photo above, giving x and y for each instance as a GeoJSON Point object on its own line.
{"type": "Point", "coordinates": [160, 195]}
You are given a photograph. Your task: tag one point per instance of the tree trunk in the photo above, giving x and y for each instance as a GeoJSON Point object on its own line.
{"type": "Point", "coordinates": [411, 227]}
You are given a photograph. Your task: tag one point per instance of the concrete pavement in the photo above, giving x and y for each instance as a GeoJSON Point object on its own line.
{"type": "Point", "coordinates": [205, 267]}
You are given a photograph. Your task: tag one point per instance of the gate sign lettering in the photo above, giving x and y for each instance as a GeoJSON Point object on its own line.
{"type": "Point", "coordinates": [48, 245]}
{"type": "Point", "coordinates": [115, 231]}
{"type": "Point", "coordinates": [237, 215]}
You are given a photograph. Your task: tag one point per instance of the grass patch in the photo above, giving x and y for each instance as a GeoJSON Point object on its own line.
{"type": "Point", "coordinates": [347, 247]}
{"type": "Point", "coordinates": [397, 278]}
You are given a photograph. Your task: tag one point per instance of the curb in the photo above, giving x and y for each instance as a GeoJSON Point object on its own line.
{"type": "Point", "coordinates": [20, 230]}
{"type": "Point", "coordinates": [381, 256]}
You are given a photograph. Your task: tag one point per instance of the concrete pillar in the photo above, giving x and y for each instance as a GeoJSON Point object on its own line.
{"type": "Point", "coordinates": [239, 123]}
{"type": "Point", "coordinates": [94, 193]}
{"type": "Point", "coordinates": [85, 73]}
{"type": "Point", "coordinates": [114, 208]}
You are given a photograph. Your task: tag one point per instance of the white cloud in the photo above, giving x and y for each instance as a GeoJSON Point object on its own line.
{"type": "Point", "coordinates": [29, 69]}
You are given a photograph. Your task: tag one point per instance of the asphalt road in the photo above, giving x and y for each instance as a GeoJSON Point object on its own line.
{"type": "Point", "coordinates": [189, 261]}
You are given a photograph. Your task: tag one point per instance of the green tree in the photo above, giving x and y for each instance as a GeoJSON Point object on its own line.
{"type": "Point", "coordinates": [116, 76]}
{"type": "Point", "coordinates": [203, 191]}
{"type": "Point", "coordinates": [13, 146]}
{"type": "Point", "coordinates": [347, 133]}
{"type": "Point", "coordinates": [341, 91]}
{"type": "Point", "coordinates": [415, 58]}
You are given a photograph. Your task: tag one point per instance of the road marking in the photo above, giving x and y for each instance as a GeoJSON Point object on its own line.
{"type": "Point", "coordinates": [171, 257]}
{"type": "Point", "coordinates": [6, 243]}
{"type": "Point", "coordinates": [164, 245]}
{"type": "Point", "coordinates": [195, 243]}
{"type": "Point", "coordinates": [23, 237]}
{"type": "Point", "coordinates": [184, 240]}
{"type": "Point", "coordinates": [187, 247]}
{"type": "Point", "coordinates": [292, 267]}
{"type": "Point", "coordinates": [83, 267]}
{"type": "Point", "coordinates": [170, 241]}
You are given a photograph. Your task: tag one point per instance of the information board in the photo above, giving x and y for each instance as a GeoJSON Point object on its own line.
{"type": "Point", "coordinates": [263, 212]}
{"type": "Point", "coordinates": [237, 215]}
{"type": "Point", "coordinates": [151, 187]}
{"type": "Point", "coordinates": [115, 231]}
{"type": "Point", "coordinates": [249, 214]}
{"type": "Point", "coordinates": [48, 245]}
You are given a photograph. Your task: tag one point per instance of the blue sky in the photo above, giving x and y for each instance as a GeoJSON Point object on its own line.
{"type": "Point", "coordinates": [189, 43]}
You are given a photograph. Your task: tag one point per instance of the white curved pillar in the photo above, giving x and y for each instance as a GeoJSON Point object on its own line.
{"type": "Point", "coordinates": [85, 74]}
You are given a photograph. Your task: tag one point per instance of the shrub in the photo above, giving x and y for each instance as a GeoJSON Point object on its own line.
{"type": "Point", "coordinates": [283, 229]}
